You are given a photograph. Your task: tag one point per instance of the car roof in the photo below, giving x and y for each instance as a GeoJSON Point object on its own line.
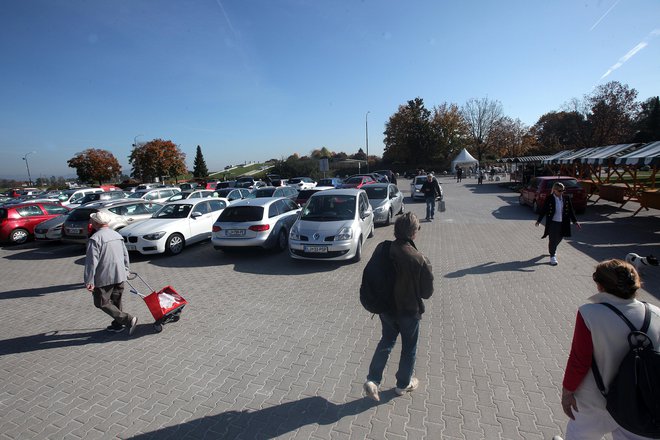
{"type": "Point", "coordinates": [556, 178]}
{"type": "Point", "coordinates": [379, 185]}
{"type": "Point", "coordinates": [340, 192]}
{"type": "Point", "coordinates": [261, 201]}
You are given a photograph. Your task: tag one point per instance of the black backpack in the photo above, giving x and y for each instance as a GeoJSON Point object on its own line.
{"type": "Point", "coordinates": [377, 288]}
{"type": "Point", "coordinates": [633, 399]}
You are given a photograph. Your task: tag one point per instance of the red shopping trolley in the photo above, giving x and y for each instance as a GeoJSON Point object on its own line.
{"type": "Point", "coordinates": [165, 305]}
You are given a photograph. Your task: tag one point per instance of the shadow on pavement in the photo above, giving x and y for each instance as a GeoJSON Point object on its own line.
{"type": "Point", "coordinates": [39, 291]}
{"type": "Point", "coordinates": [45, 251]}
{"type": "Point", "coordinates": [509, 266]}
{"type": "Point", "coordinates": [268, 422]}
{"type": "Point", "coordinates": [67, 338]}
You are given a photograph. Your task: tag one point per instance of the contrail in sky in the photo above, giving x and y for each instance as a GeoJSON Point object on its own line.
{"type": "Point", "coordinates": [227, 17]}
{"type": "Point", "coordinates": [632, 52]}
{"type": "Point", "coordinates": [604, 15]}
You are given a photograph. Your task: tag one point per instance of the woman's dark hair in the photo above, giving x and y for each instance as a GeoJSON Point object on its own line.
{"type": "Point", "coordinates": [618, 278]}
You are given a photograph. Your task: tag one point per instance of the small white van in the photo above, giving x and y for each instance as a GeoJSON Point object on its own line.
{"type": "Point", "coordinates": [72, 197]}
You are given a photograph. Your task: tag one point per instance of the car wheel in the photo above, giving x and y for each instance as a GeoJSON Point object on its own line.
{"type": "Point", "coordinates": [282, 241]}
{"type": "Point", "coordinates": [18, 236]}
{"type": "Point", "coordinates": [388, 220]}
{"type": "Point", "coordinates": [175, 244]}
{"type": "Point", "coordinates": [358, 252]}
{"type": "Point", "coordinates": [403, 208]}
{"type": "Point", "coordinates": [371, 232]}
{"type": "Point", "coordinates": [535, 207]}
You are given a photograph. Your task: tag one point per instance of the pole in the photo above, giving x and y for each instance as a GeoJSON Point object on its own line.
{"type": "Point", "coordinates": [28, 167]}
{"type": "Point", "coordinates": [366, 135]}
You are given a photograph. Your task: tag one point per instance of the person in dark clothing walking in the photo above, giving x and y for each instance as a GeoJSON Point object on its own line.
{"type": "Point", "coordinates": [431, 190]}
{"type": "Point", "coordinates": [558, 213]}
{"type": "Point", "coordinates": [414, 282]}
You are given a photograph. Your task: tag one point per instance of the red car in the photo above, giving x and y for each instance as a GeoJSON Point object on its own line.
{"type": "Point", "coordinates": [17, 222]}
{"type": "Point", "coordinates": [539, 188]}
{"type": "Point", "coordinates": [358, 181]}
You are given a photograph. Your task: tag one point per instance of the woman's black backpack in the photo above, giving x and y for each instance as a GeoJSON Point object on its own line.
{"type": "Point", "coordinates": [633, 399]}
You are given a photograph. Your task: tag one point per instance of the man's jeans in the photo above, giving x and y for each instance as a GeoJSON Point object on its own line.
{"type": "Point", "coordinates": [430, 207]}
{"type": "Point", "coordinates": [408, 327]}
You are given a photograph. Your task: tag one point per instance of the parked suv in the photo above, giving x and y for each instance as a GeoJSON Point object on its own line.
{"type": "Point", "coordinates": [17, 222]}
{"type": "Point", "coordinates": [156, 195]}
{"type": "Point", "coordinates": [539, 188]}
{"type": "Point", "coordinates": [73, 197]}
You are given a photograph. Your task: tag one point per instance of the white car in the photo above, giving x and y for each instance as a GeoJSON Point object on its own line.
{"type": "Point", "coordinates": [174, 226]}
{"type": "Point", "coordinates": [301, 183]}
{"type": "Point", "coordinates": [416, 187]}
{"type": "Point", "coordinates": [333, 225]}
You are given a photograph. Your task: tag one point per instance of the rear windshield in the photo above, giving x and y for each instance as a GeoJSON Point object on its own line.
{"type": "Point", "coordinates": [295, 180]}
{"type": "Point", "coordinates": [80, 214]}
{"type": "Point", "coordinates": [262, 193]}
{"type": "Point", "coordinates": [354, 180]}
{"type": "Point", "coordinates": [376, 193]}
{"type": "Point", "coordinates": [307, 193]}
{"type": "Point", "coordinates": [568, 183]}
{"type": "Point", "coordinates": [242, 214]}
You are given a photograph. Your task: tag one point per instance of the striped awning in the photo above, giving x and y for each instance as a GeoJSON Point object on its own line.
{"type": "Point", "coordinates": [523, 159]}
{"type": "Point", "coordinates": [603, 155]}
{"type": "Point", "coordinates": [571, 158]}
{"type": "Point", "coordinates": [648, 154]}
{"type": "Point", "coordinates": [556, 157]}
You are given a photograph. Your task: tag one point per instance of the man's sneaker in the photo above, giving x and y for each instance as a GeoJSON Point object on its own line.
{"type": "Point", "coordinates": [553, 261]}
{"type": "Point", "coordinates": [115, 327]}
{"type": "Point", "coordinates": [414, 383]}
{"type": "Point", "coordinates": [371, 390]}
{"type": "Point", "coordinates": [131, 327]}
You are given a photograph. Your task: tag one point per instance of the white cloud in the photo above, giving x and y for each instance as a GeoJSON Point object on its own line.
{"type": "Point", "coordinates": [632, 52]}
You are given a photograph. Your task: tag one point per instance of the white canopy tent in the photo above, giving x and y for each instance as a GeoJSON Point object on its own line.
{"type": "Point", "coordinates": [463, 159]}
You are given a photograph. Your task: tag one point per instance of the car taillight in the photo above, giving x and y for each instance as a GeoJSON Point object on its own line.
{"type": "Point", "coordinates": [90, 228]}
{"type": "Point", "coordinates": [259, 228]}
{"type": "Point", "coordinates": [216, 228]}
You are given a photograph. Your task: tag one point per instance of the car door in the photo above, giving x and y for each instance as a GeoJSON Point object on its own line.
{"type": "Point", "coordinates": [365, 217]}
{"type": "Point", "coordinates": [31, 215]}
{"type": "Point", "coordinates": [395, 198]}
{"type": "Point", "coordinates": [201, 221]}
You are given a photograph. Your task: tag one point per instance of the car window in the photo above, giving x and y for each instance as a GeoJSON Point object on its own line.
{"type": "Point", "coordinates": [202, 208]}
{"type": "Point", "coordinates": [174, 211]}
{"type": "Point", "coordinates": [364, 204]}
{"type": "Point", "coordinates": [274, 210]}
{"type": "Point", "coordinates": [217, 205]}
{"type": "Point", "coordinates": [242, 214]}
{"type": "Point", "coordinates": [29, 211]}
{"type": "Point", "coordinates": [376, 193]}
{"type": "Point", "coordinates": [55, 209]}
{"type": "Point", "coordinates": [80, 214]}
{"type": "Point", "coordinates": [290, 205]}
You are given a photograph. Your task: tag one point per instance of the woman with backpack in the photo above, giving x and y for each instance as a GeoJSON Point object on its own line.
{"type": "Point", "coordinates": [601, 336]}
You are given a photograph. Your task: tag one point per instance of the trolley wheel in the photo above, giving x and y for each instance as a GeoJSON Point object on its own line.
{"type": "Point", "coordinates": [158, 327]}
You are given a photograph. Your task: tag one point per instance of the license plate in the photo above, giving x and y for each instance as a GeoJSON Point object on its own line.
{"type": "Point", "coordinates": [316, 249]}
{"type": "Point", "coordinates": [131, 247]}
{"type": "Point", "coordinates": [235, 232]}
{"type": "Point", "coordinates": [74, 230]}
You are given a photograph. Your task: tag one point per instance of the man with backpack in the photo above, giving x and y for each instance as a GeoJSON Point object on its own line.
{"type": "Point", "coordinates": [612, 378]}
{"type": "Point", "coordinates": [401, 308]}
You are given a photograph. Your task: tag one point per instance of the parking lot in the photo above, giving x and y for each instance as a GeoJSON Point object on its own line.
{"type": "Point", "coordinates": [273, 347]}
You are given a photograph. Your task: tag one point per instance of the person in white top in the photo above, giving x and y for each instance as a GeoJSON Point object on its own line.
{"type": "Point", "coordinates": [558, 212]}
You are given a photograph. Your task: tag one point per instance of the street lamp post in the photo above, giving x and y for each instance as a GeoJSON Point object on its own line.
{"type": "Point", "coordinates": [28, 167]}
{"type": "Point", "coordinates": [366, 135]}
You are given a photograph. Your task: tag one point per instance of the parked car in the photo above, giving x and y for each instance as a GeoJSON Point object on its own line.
{"type": "Point", "coordinates": [305, 194]}
{"type": "Point", "coordinates": [73, 197]}
{"type": "Point", "coordinates": [226, 184]}
{"type": "Point", "coordinates": [157, 195]}
{"type": "Point", "coordinates": [77, 226]}
{"type": "Point", "coordinates": [301, 183]}
{"type": "Point", "coordinates": [391, 176]}
{"type": "Point", "coordinates": [271, 191]}
{"type": "Point", "coordinates": [174, 226]}
{"type": "Point", "coordinates": [233, 194]}
{"type": "Point", "coordinates": [17, 222]}
{"type": "Point", "coordinates": [188, 186]}
{"type": "Point", "coordinates": [194, 194]}
{"type": "Point", "coordinates": [539, 188]}
{"type": "Point", "coordinates": [106, 195]}
{"type": "Point", "coordinates": [333, 225]}
{"type": "Point", "coordinates": [386, 201]}
{"type": "Point", "coordinates": [334, 182]}
{"type": "Point", "coordinates": [261, 222]}
{"type": "Point", "coordinates": [358, 181]}
{"type": "Point", "coordinates": [249, 182]}
{"type": "Point", "coordinates": [50, 230]}
{"type": "Point", "coordinates": [416, 187]}
{"type": "Point", "coordinates": [274, 180]}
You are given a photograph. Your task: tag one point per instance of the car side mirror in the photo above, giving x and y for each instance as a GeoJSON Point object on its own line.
{"type": "Point", "coordinates": [195, 214]}
{"type": "Point", "coordinates": [366, 213]}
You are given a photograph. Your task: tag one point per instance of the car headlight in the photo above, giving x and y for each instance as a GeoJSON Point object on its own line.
{"type": "Point", "coordinates": [154, 236]}
{"type": "Point", "coordinates": [345, 233]}
{"type": "Point", "coordinates": [379, 210]}
{"type": "Point", "coordinates": [294, 234]}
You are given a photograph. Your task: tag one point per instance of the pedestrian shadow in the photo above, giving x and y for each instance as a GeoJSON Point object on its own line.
{"type": "Point", "coordinates": [509, 266]}
{"type": "Point", "coordinates": [269, 422]}
{"type": "Point", "coordinates": [40, 291]}
{"type": "Point", "coordinates": [66, 338]}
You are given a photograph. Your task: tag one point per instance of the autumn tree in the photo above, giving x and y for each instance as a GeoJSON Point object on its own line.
{"type": "Point", "coordinates": [450, 132]}
{"type": "Point", "coordinates": [511, 138]}
{"type": "Point", "coordinates": [157, 158]}
{"type": "Point", "coordinates": [409, 136]}
{"type": "Point", "coordinates": [647, 123]}
{"type": "Point", "coordinates": [321, 153]}
{"type": "Point", "coordinates": [95, 165]}
{"type": "Point", "coordinates": [564, 130]}
{"type": "Point", "coordinates": [199, 166]}
{"type": "Point", "coordinates": [360, 155]}
{"type": "Point", "coordinates": [481, 116]}
{"type": "Point", "coordinates": [613, 111]}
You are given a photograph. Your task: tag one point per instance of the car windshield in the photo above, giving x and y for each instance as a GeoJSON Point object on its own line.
{"type": "Point", "coordinates": [329, 208]}
{"type": "Point", "coordinates": [242, 214]}
{"type": "Point", "coordinates": [377, 193]}
{"type": "Point", "coordinates": [261, 192]}
{"type": "Point", "coordinates": [354, 180]}
{"type": "Point", "coordinates": [224, 192]}
{"type": "Point", "coordinates": [137, 194]}
{"type": "Point", "coordinates": [80, 214]}
{"type": "Point", "coordinates": [174, 211]}
{"type": "Point", "coordinates": [419, 180]}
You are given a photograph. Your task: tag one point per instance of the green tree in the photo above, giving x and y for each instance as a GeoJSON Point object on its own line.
{"type": "Point", "coordinates": [157, 158]}
{"type": "Point", "coordinates": [647, 122]}
{"type": "Point", "coordinates": [95, 165]}
{"type": "Point", "coordinates": [409, 136]}
{"type": "Point", "coordinates": [199, 166]}
{"type": "Point", "coordinates": [557, 131]}
{"type": "Point", "coordinates": [613, 111]}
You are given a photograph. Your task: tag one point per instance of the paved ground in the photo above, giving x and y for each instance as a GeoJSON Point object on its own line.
{"type": "Point", "coordinates": [270, 347]}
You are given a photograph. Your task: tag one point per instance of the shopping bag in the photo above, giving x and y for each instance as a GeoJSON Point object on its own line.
{"type": "Point", "coordinates": [441, 206]}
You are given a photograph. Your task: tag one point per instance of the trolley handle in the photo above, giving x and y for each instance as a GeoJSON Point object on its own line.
{"type": "Point", "coordinates": [131, 277]}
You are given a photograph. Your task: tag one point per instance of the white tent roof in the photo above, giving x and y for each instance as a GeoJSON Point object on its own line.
{"type": "Point", "coordinates": [463, 158]}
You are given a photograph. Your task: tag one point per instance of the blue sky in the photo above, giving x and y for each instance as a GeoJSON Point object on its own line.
{"type": "Point", "coordinates": [250, 80]}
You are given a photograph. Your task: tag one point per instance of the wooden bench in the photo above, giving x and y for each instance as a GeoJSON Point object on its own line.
{"type": "Point", "coordinates": [614, 192]}
{"type": "Point", "coordinates": [649, 198]}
